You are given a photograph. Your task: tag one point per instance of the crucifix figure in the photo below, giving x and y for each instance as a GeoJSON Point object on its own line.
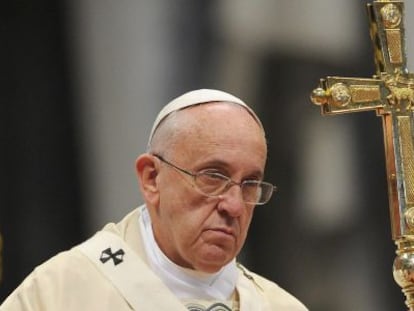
{"type": "Point", "coordinates": [391, 94]}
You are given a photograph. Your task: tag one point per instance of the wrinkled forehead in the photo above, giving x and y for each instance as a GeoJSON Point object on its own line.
{"type": "Point", "coordinates": [198, 97]}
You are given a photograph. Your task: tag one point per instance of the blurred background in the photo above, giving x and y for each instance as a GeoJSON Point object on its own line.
{"type": "Point", "coordinates": [83, 81]}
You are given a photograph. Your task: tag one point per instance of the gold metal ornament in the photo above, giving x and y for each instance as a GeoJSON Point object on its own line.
{"type": "Point", "coordinates": [391, 94]}
{"type": "Point", "coordinates": [391, 15]}
{"type": "Point", "coordinates": [341, 95]}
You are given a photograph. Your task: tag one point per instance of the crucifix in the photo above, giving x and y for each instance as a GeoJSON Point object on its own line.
{"type": "Point", "coordinates": [390, 92]}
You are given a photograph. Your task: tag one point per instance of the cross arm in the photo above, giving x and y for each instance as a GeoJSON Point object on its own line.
{"type": "Point", "coordinates": [338, 95]}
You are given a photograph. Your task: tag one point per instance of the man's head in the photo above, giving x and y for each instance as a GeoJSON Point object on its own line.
{"type": "Point", "coordinates": [218, 137]}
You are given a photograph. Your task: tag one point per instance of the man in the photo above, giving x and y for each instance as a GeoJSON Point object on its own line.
{"type": "Point", "coordinates": [201, 180]}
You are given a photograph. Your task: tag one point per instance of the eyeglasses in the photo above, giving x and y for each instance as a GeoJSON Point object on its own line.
{"type": "Point", "coordinates": [213, 184]}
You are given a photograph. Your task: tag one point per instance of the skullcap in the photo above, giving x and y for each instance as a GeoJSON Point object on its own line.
{"type": "Point", "coordinates": [198, 97]}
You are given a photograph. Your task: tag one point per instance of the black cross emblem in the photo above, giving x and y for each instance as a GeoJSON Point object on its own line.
{"type": "Point", "coordinates": [117, 257]}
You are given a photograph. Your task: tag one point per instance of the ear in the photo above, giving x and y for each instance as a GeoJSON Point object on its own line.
{"type": "Point", "coordinates": [147, 172]}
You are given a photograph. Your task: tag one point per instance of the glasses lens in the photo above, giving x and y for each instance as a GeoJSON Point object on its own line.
{"type": "Point", "coordinates": [256, 192]}
{"type": "Point", "coordinates": [214, 184]}
{"type": "Point", "coordinates": [211, 183]}
{"type": "Point", "coordinates": [251, 191]}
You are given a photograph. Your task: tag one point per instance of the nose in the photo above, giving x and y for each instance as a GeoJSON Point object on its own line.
{"type": "Point", "coordinates": [232, 201]}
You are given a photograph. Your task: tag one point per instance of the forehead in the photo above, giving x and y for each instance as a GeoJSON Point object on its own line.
{"type": "Point", "coordinates": [220, 130]}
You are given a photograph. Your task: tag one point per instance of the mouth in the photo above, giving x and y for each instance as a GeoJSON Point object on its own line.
{"type": "Point", "coordinates": [223, 231]}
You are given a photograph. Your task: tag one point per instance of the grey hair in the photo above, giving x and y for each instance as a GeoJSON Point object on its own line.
{"type": "Point", "coordinates": [165, 136]}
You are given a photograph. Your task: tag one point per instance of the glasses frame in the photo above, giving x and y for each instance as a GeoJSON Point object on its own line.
{"type": "Point", "coordinates": [229, 183]}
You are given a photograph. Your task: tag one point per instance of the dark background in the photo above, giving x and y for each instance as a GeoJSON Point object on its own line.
{"type": "Point", "coordinates": [44, 205]}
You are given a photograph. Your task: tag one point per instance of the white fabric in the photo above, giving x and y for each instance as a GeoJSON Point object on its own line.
{"type": "Point", "coordinates": [186, 283]}
{"type": "Point", "coordinates": [198, 97]}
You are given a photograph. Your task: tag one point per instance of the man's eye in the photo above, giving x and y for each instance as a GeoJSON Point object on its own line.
{"type": "Point", "coordinates": [215, 175]}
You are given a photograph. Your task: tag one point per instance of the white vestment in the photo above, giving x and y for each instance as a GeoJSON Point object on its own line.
{"type": "Point", "coordinates": [110, 272]}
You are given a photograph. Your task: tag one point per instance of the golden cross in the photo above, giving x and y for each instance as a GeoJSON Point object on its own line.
{"type": "Point", "coordinates": [391, 94]}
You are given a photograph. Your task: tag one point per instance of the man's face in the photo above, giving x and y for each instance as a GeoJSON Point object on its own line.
{"type": "Point", "coordinates": [193, 230]}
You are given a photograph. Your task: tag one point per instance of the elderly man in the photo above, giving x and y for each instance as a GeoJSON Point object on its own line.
{"type": "Point", "coordinates": [201, 180]}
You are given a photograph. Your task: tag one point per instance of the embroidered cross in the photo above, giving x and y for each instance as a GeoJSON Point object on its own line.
{"type": "Point", "coordinates": [117, 257]}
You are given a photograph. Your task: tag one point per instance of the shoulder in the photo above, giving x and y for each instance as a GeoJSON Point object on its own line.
{"type": "Point", "coordinates": [44, 287]}
{"type": "Point", "coordinates": [275, 296]}
{"type": "Point", "coordinates": [70, 263]}
{"type": "Point", "coordinates": [71, 271]}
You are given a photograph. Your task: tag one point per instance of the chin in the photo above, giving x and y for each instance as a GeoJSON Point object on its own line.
{"type": "Point", "coordinates": [209, 268]}
{"type": "Point", "coordinates": [212, 263]}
